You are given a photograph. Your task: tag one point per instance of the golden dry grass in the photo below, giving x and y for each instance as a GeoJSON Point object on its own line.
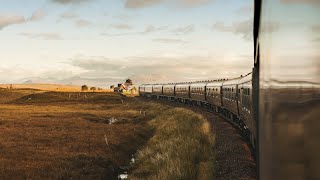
{"type": "Point", "coordinates": [50, 87]}
{"type": "Point", "coordinates": [54, 135]}
{"type": "Point", "coordinates": [181, 148]}
{"type": "Point", "coordinates": [62, 135]}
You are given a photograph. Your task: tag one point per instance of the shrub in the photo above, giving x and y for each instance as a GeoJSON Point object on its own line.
{"type": "Point", "coordinates": [84, 88]}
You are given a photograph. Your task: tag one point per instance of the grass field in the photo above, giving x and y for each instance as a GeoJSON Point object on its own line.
{"type": "Point", "coordinates": [182, 148]}
{"type": "Point", "coordinates": [49, 87]}
{"type": "Point", "coordinates": [67, 135]}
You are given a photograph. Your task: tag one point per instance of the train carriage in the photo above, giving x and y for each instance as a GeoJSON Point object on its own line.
{"type": "Point", "coordinates": [169, 91]}
{"type": "Point", "coordinates": [245, 105]}
{"type": "Point", "coordinates": [230, 98]}
{"type": "Point", "coordinates": [157, 91]}
{"type": "Point", "coordinates": [142, 90]}
{"type": "Point", "coordinates": [183, 92]}
{"type": "Point", "coordinates": [214, 95]}
{"type": "Point", "coordinates": [148, 90]}
{"type": "Point", "coordinates": [198, 92]}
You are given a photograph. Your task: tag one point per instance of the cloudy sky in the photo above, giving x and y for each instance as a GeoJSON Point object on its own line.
{"type": "Point", "coordinates": [150, 40]}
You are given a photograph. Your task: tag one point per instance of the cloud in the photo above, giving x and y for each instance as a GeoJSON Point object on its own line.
{"type": "Point", "coordinates": [308, 2]}
{"type": "Point", "coordinates": [70, 1]}
{"type": "Point", "coordinates": [245, 10]}
{"type": "Point", "coordinates": [148, 29]}
{"type": "Point", "coordinates": [118, 34]}
{"type": "Point", "coordinates": [178, 68]}
{"type": "Point", "coordinates": [37, 15]}
{"type": "Point", "coordinates": [7, 20]}
{"type": "Point", "coordinates": [83, 23]}
{"type": "Point", "coordinates": [151, 28]}
{"type": "Point", "coordinates": [135, 4]}
{"type": "Point", "coordinates": [170, 41]}
{"type": "Point", "coordinates": [141, 3]}
{"type": "Point", "coordinates": [13, 73]}
{"type": "Point", "coordinates": [270, 27]}
{"type": "Point", "coordinates": [315, 28]}
{"type": "Point", "coordinates": [142, 69]}
{"type": "Point", "coordinates": [220, 26]}
{"type": "Point", "coordinates": [122, 17]}
{"type": "Point", "coordinates": [316, 31]}
{"type": "Point", "coordinates": [121, 26]}
{"type": "Point", "coordinates": [184, 29]}
{"type": "Point", "coordinates": [44, 36]}
{"type": "Point", "coordinates": [12, 19]}
{"type": "Point", "coordinates": [68, 15]}
{"type": "Point", "coordinates": [243, 28]}
{"type": "Point", "coordinates": [191, 3]}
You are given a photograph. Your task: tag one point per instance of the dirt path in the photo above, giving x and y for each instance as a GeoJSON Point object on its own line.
{"type": "Point", "coordinates": [233, 155]}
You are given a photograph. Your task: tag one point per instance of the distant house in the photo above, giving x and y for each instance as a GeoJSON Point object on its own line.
{"type": "Point", "coordinates": [127, 88]}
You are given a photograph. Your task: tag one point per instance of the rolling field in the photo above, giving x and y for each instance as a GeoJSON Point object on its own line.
{"type": "Point", "coordinates": [67, 135]}
{"type": "Point", "coordinates": [78, 135]}
{"type": "Point", "coordinates": [49, 87]}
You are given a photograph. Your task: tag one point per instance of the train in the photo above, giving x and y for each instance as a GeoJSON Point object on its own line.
{"type": "Point", "coordinates": [277, 106]}
{"type": "Point", "coordinates": [231, 98]}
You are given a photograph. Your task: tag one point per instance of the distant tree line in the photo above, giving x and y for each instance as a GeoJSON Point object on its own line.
{"type": "Point", "coordinates": [86, 88]}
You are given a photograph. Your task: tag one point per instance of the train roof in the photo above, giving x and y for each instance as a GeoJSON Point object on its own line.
{"type": "Point", "coordinates": [170, 84]}
{"type": "Point", "coordinates": [246, 78]}
{"type": "Point", "coordinates": [216, 82]}
{"type": "Point", "coordinates": [183, 84]}
{"type": "Point", "coordinates": [148, 85]}
{"type": "Point", "coordinates": [199, 83]}
{"type": "Point", "coordinates": [235, 81]}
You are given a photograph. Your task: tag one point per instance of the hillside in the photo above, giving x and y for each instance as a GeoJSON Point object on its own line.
{"type": "Point", "coordinates": [48, 87]}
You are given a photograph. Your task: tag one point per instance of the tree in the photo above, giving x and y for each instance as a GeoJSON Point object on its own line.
{"type": "Point", "coordinates": [84, 88]}
{"type": "Point", "coordinates": [93, 89]}
{"type": "Point", "coordinates": [129, 81]}
{"type": "Point", "coordinates": [112, 87]}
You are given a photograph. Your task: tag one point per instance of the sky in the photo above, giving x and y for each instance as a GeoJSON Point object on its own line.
{"type": "Point", "coordinates": [105, 41]}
